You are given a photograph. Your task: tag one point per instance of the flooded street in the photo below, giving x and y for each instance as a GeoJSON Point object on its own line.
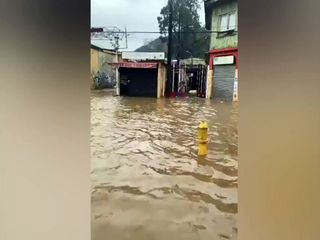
{"type": "Point", "coordinates": [147, 180]}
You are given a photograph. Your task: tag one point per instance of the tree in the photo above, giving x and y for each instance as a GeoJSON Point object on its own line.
{"type": "Point", "coordinates": [154, 46]}
{"type": "Point", "coordinates": [186, 27]}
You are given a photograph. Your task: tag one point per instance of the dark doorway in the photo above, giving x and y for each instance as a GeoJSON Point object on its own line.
{"type": "Point", "coordinates": [138, 82]}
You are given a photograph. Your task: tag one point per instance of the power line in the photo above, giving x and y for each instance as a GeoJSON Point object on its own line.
{"type": "Point", "coordinates": [158, 32]}
{"type": "Point", "coordinates": [113, 34]}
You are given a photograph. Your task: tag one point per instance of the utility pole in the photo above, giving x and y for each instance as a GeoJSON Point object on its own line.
{"type": "Point", "coordinates": [169, 57]}
{"type": "Point", "coordinates": [117, 46]}
{"type": "Point", "coordinates": [126, 34]}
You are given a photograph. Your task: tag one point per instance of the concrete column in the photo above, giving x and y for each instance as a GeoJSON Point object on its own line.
{"type": "Point", "coordinates": [117, 75]}
{"type": "Point", "coordinates": [159, 81]}
{"type": "Point", "coordinates": [209, 83]}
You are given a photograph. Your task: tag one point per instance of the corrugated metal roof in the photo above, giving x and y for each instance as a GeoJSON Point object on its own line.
{"type": "Point", "coordinates": [105, 45]}
{"type": "Point", "coordinates": [143, 55]}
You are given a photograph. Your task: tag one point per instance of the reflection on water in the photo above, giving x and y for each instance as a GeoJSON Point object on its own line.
{"type": "Point", "coordinates": [147, 180]}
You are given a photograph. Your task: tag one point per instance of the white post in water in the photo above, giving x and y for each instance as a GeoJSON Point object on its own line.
{"type": "Point", "coordinates": [208, 84]}
{"type": "Point", "coordinates": [173, 74]}
{"type": "Point", "coordinates": [117, 75]}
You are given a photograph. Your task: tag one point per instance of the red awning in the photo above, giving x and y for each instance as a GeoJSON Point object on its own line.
{"type": "Point", "coordinates": [135, 65]}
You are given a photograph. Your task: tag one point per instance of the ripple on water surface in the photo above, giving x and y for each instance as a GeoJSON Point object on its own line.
{"type": "Point", "coordinates": [147, 181]}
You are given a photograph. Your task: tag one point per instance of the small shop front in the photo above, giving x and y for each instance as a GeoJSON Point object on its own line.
{"type": "Point", "coordinates": [141, 79]}
{"type": "Point", "coordinates": [223, 83]}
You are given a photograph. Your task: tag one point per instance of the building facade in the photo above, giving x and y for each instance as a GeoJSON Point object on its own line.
{"type": "Point", "coordinates": [102, 63]}
{"type": "Point", "coordinates": [222, 21]}
{"type": "Point", "coordinates": [142, 74]}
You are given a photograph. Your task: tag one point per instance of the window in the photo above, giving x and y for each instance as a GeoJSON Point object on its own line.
{"type": "Point", "coordinates": [224, 19]}
{"type": "Point", "coordinates": [228, 22]}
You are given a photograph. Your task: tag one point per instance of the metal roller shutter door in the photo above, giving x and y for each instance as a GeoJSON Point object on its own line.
{"type": "Point", "coordinates": [224, 82]}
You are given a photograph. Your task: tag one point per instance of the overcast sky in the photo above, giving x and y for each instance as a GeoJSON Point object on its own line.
{"type": "Point", "coordinates": [136, 15]}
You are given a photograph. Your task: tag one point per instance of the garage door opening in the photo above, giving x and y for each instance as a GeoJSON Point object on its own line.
{"type": "Point", "coordinates": [138, 82]}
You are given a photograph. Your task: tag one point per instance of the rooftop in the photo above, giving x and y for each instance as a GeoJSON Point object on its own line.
{"type": "Point", "coordinates": [102, 45]}
{"type": "Point", "coordinates": [99, 48]}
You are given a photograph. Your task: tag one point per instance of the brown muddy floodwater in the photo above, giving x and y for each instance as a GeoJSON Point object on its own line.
{"type": "Point", "coordinates": [147, 180]}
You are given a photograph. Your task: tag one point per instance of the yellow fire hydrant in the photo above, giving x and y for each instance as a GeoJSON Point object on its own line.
{"type": "Point", "coordinates": [203, 139]}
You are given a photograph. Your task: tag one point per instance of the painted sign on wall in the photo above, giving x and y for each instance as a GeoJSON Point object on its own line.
{"type": "Point", "coordinates": [223, 60]}
{"type": "Point", "coordinates": [135, 65]}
